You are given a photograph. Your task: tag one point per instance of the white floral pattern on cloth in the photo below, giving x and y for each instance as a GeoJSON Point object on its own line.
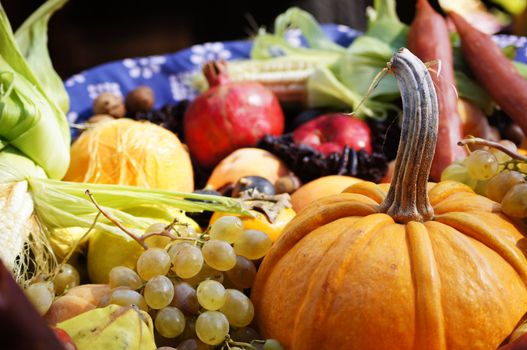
{"type": "Point", "coordinates": [171, 84]}
{"type": "Point", "coordinates": [294, 37]}
{"type": "Point", "coordinates": [510, 40]}
{"type": "Point", "coordinates": [200, 54]}
{"type": "Point", "coordinates": [72, 117]}
{"type": "Point", "coordinates": [95, 90]}
{"type": "Point", "coordinates": [181, 86]}
{"type": "Point", "coordinates": [76, 79]}
{"type": "Point", "coordinates": [347, 31]}
{"type": "Point", "coordinates": [144, 67]}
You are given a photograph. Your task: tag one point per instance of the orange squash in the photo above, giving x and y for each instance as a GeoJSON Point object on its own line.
{"type": "Point", "coordinates": [127, 152]}
{"type": "Point", "coordinates": [318, 188]}
{"type": "Point", "coordinates": [422, 266]}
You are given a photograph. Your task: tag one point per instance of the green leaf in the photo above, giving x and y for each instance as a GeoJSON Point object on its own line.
{"type": "Point", "coordinates": [30, 120]}
{"type": "Point", "coordinates": [509, 51]}
{"type": "Point", "coordinates": [32, 41]}
{"type": "Point", "coordinates": [513, 6]}
{"type": "Point", "coordinates": [384, 24]}
{"type": "Point", "coordinates": [470, 90]}
{"type": "Point", "coordinates": [61, 204]}
{"type": "Point", "coordinates": [14, 166]}
{"type": "Point", "coordinates": [315, 36]}
{"type": "Point", "coordinates": [363, 60]}
{"type": "Point", "coordinates": [269, 46]}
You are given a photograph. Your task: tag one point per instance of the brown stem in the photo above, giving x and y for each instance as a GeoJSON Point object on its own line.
{"type": "Point", "coordinates": [482, 142]}
{"type": "Point", "coordinates": [407, 199]}
{"type": "Point", "coordinates": [216, 73]}
{"type": "Point", "coordinates": [115, 221]}
{"type": "Point", "coordinates": [74, 248]}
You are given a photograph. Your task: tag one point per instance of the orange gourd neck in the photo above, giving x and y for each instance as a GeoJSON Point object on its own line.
{"type": "Point", "coordinates": [407, 198]}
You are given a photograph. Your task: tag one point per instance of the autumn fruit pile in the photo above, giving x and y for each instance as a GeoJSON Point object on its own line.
{"type": "Point", "coordinates": [247, 219]}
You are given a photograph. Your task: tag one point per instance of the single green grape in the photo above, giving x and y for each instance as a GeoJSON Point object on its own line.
{"type": "Point", "coordinates": [226, 228]}
{"type": "Point", "coordinates": [211, 294]}
{"type": "Point", "coordinates": [272, 344]}
{"type": "Point", "coordinates": [238, 308]}
{"type": "Point", "coordinates": [188, 261]}
{"type": "Point", "coordinates": [212, 327]}
{"type": "Point", "coordinates": [481, 164]}
{"type": "Point", "coordinates": [122, 276]}
{"type": "Point", "coordinates": [156, 241]}
{"type": "Point", "coordinates": [219, 255]}
{"type": "Point", "coordinates": [514, 203]}
{"type": "Point", "coordinates": [500, 184]}
{"type": "Point", "coordinates": [158, 292]}
{"type": "Point", "coordinates": [253, 244]}
{"type": "Point", "coordinates": [175, 248]}
{"type": "Point", "coordinates": [66, 278]}
{"type": "Point", "coordinates": [126, 297]}
{"type": "Point", "coordinates": [458, 172]}
{"type": "Point", "coordinates": [153, 262]}
{"type": "Point", "coordinates": [501, 156]}
{"type": "Point", "coordinates": [170, 322]}
{"type": "Point", "coordinates": [41, 295]}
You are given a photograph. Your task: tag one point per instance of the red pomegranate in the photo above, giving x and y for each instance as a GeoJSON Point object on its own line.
{"type": "Point", "coordinates": [228, 116]}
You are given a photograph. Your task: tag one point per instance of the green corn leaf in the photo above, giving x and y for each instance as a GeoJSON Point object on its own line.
{"type": "Point", "coordinates": [32, 41]}
{"type": "Point", "coordinates": [30, 121]}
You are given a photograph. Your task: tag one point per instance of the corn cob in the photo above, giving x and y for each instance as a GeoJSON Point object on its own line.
{"type": "Point", "coordinates": [286, 77]}
{"type": "Point", "coordinates": [16, 210]}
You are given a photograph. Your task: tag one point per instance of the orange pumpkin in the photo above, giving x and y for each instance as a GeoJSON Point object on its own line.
{"type": "Point", "coordinates": [422, 266]}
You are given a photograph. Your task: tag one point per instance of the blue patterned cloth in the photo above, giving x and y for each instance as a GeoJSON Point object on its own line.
{"type": "Point", "coordinates": [168, 75]}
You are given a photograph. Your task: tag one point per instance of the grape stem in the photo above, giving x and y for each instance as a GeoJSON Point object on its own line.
{"type": "Point", "coordinates": [229, 342]}
{"type": "Point", "coordinates": [141, 240]}
{"type": "Point", "coordinates": [482, 142]}
{"type": "Point", "coordinates": [116, 222]}
{"type": "Point", "coordinates": [72, 250]}
{"type": "Point", "coordinates": [165, 232]}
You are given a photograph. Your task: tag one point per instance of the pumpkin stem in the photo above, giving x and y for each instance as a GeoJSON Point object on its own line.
{"type": "Point", "coordinates": [407, 199]}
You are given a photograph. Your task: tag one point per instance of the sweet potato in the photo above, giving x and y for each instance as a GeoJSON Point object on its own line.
{"type": "Point", "coordinates": [493, 70]}
{"type": "Point", "coordinates": [429, 40]}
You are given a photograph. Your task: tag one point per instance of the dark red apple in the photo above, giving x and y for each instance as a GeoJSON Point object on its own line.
{"type": "Point", "coordinates": [229, 116]}
{"type": "Point", "coordinates": [330, 133]}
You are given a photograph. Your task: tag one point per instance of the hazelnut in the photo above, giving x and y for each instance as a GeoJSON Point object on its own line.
{"type": "Point", "coordinates": [109, 103]}
{"type": "Point", "coordinates": [140, 99]}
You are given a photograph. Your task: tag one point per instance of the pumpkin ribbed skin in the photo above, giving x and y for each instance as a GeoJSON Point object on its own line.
{"type": "Point", "coordinates": [344, 276]}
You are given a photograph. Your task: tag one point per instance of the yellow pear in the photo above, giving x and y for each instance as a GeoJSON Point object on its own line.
{"type": "Point", "coordinates": [111, 328]}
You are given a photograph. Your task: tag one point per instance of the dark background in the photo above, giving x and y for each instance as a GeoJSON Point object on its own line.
{"type": "Point", "coordinates": [86, 33]}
